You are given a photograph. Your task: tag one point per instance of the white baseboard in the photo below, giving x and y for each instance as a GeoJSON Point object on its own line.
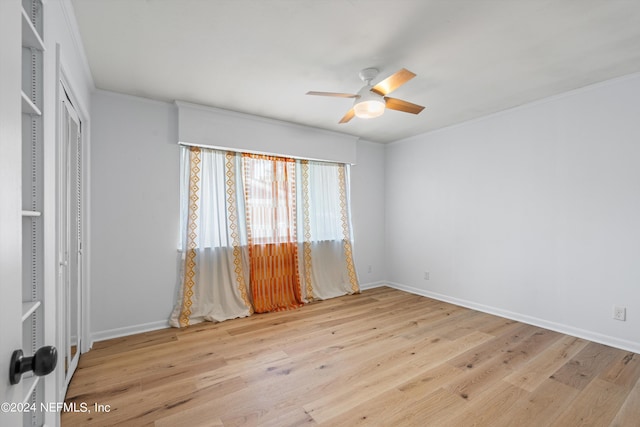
{"type": "Point", "coordinates": [128, 330]}
{"type": "Point", "coordinates": [558, 327]}
{"type": "Point", "coordinates": [365, 286]}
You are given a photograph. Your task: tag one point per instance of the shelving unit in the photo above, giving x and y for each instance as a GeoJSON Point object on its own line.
{"type": "Point", "coordinates": [32, 197]}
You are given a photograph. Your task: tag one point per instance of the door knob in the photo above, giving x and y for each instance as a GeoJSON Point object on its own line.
{"type": "Point", "coordinates": [43, 362]}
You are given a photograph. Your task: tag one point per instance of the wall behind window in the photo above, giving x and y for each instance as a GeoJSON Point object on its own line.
{"type": "Point", "coordinates": [135, 217]}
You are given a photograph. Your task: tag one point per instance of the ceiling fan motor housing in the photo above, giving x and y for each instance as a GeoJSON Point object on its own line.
{"type": "Point", "coordinates": [368, 74]}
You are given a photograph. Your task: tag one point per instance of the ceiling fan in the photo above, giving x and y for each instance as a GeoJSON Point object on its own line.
{"type": "Point", "coordinates": [371, 101]}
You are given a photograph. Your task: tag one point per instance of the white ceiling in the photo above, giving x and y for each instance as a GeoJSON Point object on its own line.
{"type": "Point", "coordinates": [471, 57]}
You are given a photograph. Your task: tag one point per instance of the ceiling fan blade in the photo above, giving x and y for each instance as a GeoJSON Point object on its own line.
{"type": "Point", "coordinates": [393, 82]}
{"type": "Point", "coordinates": [348, 116]}
{"type": "Point", "coordinates": [404, 106]}
{"type": "Point", "coordinates": [338, 95]}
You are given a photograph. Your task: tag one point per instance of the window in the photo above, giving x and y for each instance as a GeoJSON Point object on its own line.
{"type": "Point", "coordinates": [250, 221]}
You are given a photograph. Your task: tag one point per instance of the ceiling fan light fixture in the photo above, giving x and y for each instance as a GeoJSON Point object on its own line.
{"type": "Point", "coordinates": [371, 101]}
{"type": "Point", "coordinates": [368, 105]}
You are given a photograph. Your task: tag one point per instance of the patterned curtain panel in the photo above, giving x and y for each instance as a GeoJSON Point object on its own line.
{"type": "Point", "coordinates": [214, 256]}
{"type": "Point", "coordinates": [329, 270]}
{"type": "Point", "coordinates": [270, 203]}
{"type": "Point", "coordinates": [259, 234]}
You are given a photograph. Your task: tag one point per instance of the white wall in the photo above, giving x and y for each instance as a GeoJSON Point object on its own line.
{"type": "Point", "coordinates": [134, 190]}
{"type": "Point", "coordinates": [135, 218]}
{"type": "Point", "coordinates": [367, 211]}
{"type": "Point", "coordinates": [532, 213]}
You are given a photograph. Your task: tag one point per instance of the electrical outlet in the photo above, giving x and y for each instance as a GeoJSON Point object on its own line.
{"type": "Point", "coordinates": [369, 269]}
{"type": "Point", "coordinates": [426, 275]}
{"type": "Point", "coordinates": [620, 313]}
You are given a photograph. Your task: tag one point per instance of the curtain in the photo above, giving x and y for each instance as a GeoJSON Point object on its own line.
{"type": "Point", "coordinates": [260, 233]}
{"type": "Point", "coordinates": [326, 238]}
{"type": "Point", "coordinates": [213, 247]}
{"type": "Point", "coordinates": [273, 252]}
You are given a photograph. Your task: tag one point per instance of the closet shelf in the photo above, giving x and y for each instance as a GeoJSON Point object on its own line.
{"type": "Point", "coordinates": [30, 36]}
{"type": "Point", "coordinates": [28, 107]}
{"type": "Point", "coordinates": [28, 308]}
{"type": "Point", "coordinates": [31, 214]}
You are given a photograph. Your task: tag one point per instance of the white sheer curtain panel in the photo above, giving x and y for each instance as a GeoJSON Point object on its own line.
{"type": "Point", "coordinates": [213, 248]}
{"type": "Point", "coordinates": [326, 236]}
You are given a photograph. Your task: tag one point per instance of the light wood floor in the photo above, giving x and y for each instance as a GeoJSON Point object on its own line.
{"type": "Point", "coordinates": [383, 358]}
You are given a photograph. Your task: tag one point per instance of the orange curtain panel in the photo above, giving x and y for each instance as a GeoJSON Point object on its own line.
{"type": "Point", "coordinates": [270, 195]}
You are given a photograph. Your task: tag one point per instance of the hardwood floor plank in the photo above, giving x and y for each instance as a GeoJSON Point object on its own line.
{"type": "Point", "coordinates": [533, 373]}
{"type": "Point", "coordinates": [395, 323]}
{"type": "Point", "coordinates": [389, 373]}
{"type": "Point", "coordinates": [485, 408]}
{"type": "Point", "coordinates": [629, 413]}
{"type": "Point", "coordinates": [544, 404]}
{"type": "Point", "coordinates": [625, 371]}
{"type": "Point", "coordinates": [586, 365]}
{"type": "Point", "coordinates": [434, 410]}
{"type": "Point", "coordinates": [393, 409]}
{"type": "Point", "coordinates": [295, 417]}
{"type": "Point", "coordinates": [383, 357]}
{"type": "Point", "coordinates": [476, 356]}
{"type": "Point", "coordinates": [195, 417]}
{"type": "Point", "coordinates": [596, 406]}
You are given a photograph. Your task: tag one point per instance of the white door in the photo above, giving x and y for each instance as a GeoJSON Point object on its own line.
{"type": "Point", "coordinates": [10, 207]}
{"type": "Point", "coordinates": [70, 232]}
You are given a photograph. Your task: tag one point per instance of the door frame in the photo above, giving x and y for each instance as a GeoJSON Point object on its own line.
{"type": "Point", "coordinates": [65, 90]}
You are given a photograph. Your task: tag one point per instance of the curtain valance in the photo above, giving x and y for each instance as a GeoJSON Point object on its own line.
{"type": "Point", "coordinates": [216, 128]}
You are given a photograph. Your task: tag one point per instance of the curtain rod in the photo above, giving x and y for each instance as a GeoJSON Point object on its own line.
{"type": "Point", "coordinates": [267, 153]}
